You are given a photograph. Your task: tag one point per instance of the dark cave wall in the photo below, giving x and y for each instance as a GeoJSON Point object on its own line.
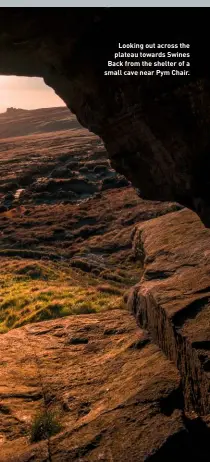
{"type": "Point", "coordinates": [156, 130]}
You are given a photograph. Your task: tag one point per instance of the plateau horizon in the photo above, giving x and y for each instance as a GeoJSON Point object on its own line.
{"type": "Point", "coordinates": [27, 93]}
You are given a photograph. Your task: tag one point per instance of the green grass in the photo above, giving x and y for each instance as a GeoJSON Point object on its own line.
{"type": "Point", "coordinates": [44, 425]}
{"type": "Point", "coordinates": [33, 291]}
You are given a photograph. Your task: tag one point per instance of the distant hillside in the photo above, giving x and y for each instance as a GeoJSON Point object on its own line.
{"type": "Point", "coordinates": [24, 122]}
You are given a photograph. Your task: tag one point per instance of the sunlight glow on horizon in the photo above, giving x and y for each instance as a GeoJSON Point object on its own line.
{"type": "Point", "coordinates": [26, 93]}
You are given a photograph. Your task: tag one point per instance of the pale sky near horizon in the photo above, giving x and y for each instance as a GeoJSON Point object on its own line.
{"type": "Point", "coordinates": [26, 93]}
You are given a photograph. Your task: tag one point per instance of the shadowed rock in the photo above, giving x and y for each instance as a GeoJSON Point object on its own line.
{"type": "Point", "coordinates": [156, 130]}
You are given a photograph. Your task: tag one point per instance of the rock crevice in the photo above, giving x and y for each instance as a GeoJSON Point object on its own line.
{"type": "Point", "coordinates": [175, 309]}
{"type": "Point", "coordinates": [101, 390]}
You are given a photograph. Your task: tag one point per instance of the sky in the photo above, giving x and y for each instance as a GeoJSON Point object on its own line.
{"type": "Point", "coordinates": [26, 93]}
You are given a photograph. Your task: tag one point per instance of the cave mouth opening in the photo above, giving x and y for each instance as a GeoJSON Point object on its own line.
{"type": "Point", "coordinates": [43, 148]}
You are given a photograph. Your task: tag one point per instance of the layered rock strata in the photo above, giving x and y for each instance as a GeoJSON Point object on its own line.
{"type": "Point", "coordinates": [172, 300]}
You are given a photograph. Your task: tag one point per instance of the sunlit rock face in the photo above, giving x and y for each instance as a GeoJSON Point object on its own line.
{"type": "Point", "coordinates": [156, 130]}
{"type": "Point", "coordinates": [172, 298]}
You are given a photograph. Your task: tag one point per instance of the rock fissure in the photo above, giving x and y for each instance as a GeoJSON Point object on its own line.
{"type": "Point", "coordinates": [175, 310]}
{"type": "Point", "coordinates": [41, 383]}
{"type": "Point", "coordinates": [194, 380]}
{"type": "Point", "coordinates": [101, 394]}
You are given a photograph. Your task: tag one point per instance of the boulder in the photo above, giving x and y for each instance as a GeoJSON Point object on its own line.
{"type": "Point", "coordinates": [172, 300]}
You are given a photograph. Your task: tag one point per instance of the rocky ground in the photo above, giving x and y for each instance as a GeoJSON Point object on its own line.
{"type": "Point", "coordinates": [75, 239]}
{"type": "Point", "coordinates": [104, 381]}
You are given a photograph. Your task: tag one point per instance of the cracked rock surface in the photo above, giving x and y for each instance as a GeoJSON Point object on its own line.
{"type": "Point", "coordinates": [172, 300]}
{"type": "Point", "coordinates": [105, 381]}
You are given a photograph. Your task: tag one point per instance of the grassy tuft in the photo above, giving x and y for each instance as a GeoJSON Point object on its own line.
{"type": "Point", "coordinates": [38, 291]}
{"type": "Point", "coordinates": [44, 425]}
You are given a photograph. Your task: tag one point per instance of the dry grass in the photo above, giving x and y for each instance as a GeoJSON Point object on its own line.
{"type": "Point", "coordinates": [63, 250]}
{"type": "Point", "coordinates": [36, 291]}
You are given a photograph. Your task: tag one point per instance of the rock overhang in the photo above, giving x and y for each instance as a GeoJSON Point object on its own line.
{"type": "Point", "coordinates": [156, 130]}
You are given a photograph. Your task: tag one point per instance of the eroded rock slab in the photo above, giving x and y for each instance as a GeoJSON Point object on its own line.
{"type": "Point", "coordinates": [116, 395]}
{"type": "Point", "coordinates": [173, 299]}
